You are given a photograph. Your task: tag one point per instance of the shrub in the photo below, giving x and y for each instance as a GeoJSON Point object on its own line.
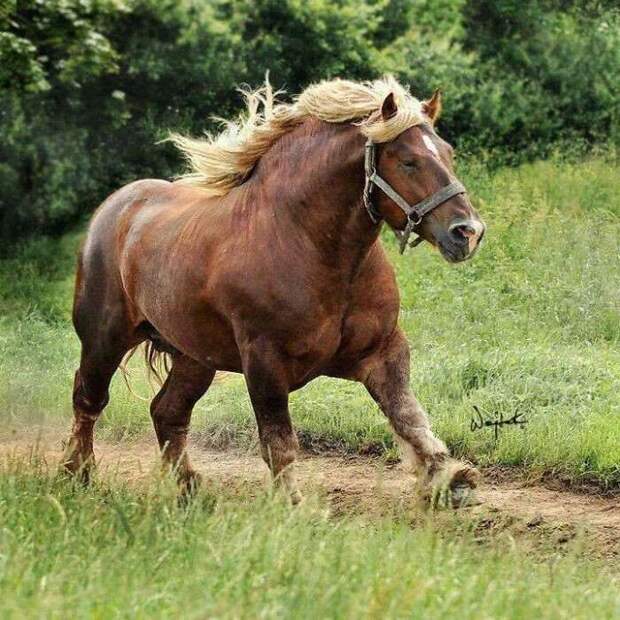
{"type": "Point", "coordinates": [88, 88]}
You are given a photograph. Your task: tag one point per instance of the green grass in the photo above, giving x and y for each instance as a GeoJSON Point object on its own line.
{"type": "Point", "coordinates": [113, 552]}
{"type": "Point", "coordinates": [532, 324]}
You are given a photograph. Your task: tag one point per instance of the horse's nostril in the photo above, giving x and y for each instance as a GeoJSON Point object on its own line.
{"type": "Point", "coordinates": [462, 232]}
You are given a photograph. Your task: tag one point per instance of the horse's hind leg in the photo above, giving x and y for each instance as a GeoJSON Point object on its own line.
{"type": "Point", "coordinates": [171, 411]}
{"type": "Point", "coordinates": [106, 333]}
{"type": "Point", "coordinates": [103, 349]}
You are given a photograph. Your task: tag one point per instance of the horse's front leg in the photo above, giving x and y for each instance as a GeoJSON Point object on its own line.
{"type": "Point", "coordinates": [388, 383]}
{"type": "Point", "coordinates": [265, 375]}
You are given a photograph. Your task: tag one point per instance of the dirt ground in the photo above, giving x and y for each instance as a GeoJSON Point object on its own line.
{"type": "Point", "coordinates": [368, 486]}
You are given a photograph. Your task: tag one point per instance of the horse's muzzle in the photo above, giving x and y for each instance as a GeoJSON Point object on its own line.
{"type": "Point", "coordinates": [461, 240]}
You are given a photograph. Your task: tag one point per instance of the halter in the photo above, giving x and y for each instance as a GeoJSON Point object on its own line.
{"type": "Point", "coordinates": [415, 212]}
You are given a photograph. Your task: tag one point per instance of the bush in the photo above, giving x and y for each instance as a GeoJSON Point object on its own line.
{"type": "Point", "coordinates": [88, 87]}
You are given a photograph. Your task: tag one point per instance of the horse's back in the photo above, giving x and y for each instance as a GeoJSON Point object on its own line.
{"type": "Point", "coordinates": [105, 222]}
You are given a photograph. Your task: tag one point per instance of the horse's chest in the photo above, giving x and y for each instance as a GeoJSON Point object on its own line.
{"type": "Point", "coordinates": [315, 341]}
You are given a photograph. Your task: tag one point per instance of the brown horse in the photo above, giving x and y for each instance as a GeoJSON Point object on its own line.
{"type": "Point", "coordinates": [266, 261]}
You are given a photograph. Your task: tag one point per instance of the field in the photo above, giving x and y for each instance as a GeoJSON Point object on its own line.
{"type": "Point", "coordinates": [530, 326]}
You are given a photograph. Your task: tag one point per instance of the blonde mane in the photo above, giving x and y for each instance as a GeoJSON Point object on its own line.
{"type": "Point", "coordinates": [224, 161]}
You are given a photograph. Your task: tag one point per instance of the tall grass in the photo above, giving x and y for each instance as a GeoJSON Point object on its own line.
{"type": "Point", "coordinates": [531, 325]}
{"type": "Point", "coordinates": [112, 552]}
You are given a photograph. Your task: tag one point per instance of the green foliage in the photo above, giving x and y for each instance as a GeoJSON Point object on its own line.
{"type": "Point", "coordinates": [44, 45]}
{"type": "Point", "coordinates": [93, 127]}
{"type": "Point", "coordinates": [88, 87]}
{"type": "Point", "coordinates": [301, 42]}
{"type": "Point", "coordinates": [552, 70]}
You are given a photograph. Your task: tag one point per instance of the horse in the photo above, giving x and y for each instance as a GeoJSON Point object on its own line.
{"type": "Point", "coordinates": [265, 259]}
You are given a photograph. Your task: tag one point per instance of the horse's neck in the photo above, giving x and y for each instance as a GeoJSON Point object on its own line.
{"type": "Point", "coordinates": [313, 181]}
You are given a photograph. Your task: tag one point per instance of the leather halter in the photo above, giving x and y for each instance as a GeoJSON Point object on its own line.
{"type": "Point", "coordinates": [415, 212]}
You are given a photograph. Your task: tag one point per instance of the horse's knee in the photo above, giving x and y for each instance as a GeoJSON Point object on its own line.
{"type": "Point", "coordinates": [279, 447]}
{"type": "Point", "coordinates": [388, 367]}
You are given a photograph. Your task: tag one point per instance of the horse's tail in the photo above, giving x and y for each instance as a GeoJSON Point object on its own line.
{"type": "Point", "coordinates": [157, 362]}
{"type": "Point", "coordinates": [157, 366]}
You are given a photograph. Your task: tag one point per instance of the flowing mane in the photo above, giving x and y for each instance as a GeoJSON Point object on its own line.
{"type": "Point", "coordinates": [223, 161]}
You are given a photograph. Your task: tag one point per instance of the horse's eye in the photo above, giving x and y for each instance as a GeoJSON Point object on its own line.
{"type": "Point", "coordinates": [408, 165]}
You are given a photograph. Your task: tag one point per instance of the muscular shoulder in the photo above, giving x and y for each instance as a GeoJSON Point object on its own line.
{"type": "Point", "coordinates": [376, 279]}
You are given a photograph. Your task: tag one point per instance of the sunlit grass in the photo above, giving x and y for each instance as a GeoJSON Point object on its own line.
{"type": "Point", "coordinates": [113, 551]}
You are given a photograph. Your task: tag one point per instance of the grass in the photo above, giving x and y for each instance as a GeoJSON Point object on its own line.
{"type": "Point", "coordinates": [113, 552]}
{"type": "Point", "coordinates": [531, 325]}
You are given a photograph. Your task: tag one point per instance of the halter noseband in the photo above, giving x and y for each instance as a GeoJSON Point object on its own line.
{"type": "Point", "coordinates": [415, 212]}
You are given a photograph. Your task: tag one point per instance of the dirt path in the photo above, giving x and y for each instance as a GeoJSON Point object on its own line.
{"type": "Point", "coordinates": [360, 485]}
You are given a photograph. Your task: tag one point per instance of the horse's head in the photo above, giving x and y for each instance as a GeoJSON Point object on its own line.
{"type": "Point", "coordinates": [418, 164]}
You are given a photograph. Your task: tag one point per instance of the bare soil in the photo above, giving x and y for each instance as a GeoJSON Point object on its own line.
{"type": "Point", "coordinates": [368, 486]}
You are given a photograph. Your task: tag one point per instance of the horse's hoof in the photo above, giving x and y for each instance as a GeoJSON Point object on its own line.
{"type": "Point", "coordinates": [82, 476]}
{"type": "Point", "coordinates": [463, 496]}
{"type": "Point", "coordinates": [190, 482]}
{"type": "Point", "coordinates": [78, 468]}
{"type": "Point", "coordinates": [453, 486]}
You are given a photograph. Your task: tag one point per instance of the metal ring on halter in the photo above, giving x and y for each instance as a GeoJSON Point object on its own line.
{"type": "Point", "coordinates": [418, 219]}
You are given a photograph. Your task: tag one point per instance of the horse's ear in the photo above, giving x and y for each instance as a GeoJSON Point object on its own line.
{"type": "Point", "coordinates": [388, 107]}
{"type": "Point", "coordinates": [432, 107]}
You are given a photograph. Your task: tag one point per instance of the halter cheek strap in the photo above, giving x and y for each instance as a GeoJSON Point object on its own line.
{"type": "Point", "coordinates": [415, 212]}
